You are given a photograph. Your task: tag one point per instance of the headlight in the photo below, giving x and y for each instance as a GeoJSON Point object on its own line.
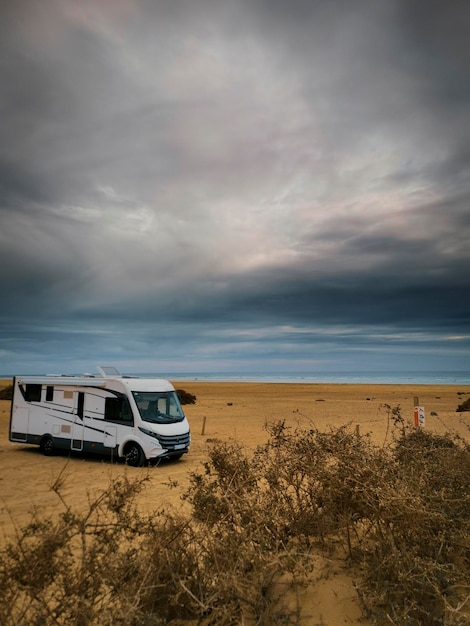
{"type": "Point", "coordinates": [148, 432]}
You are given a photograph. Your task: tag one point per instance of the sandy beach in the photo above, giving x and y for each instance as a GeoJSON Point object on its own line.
{"type": "Point", "coordinates": [224, 411]}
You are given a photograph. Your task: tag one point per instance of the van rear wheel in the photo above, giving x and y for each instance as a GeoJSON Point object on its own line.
{"type": "Point", "coordinates": [134, 455]}
{"type": "Point", "coordinates": [47, 446]}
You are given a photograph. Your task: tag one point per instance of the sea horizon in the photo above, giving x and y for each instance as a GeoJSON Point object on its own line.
{"type": "Point", "coordinates": [332, 377]}
{"type": "Point", "coordinates": [364, 377]}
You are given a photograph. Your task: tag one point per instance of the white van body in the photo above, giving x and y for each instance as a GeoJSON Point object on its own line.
{"type": "Point", "coordinates": [138, 419]}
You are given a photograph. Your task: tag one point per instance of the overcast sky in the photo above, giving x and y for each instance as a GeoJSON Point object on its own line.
{"type": "Point", "coordinates": [254, 185]}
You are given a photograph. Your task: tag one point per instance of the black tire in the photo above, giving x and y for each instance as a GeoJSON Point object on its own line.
{"type": "Point", "coordinates": [47, 446]}
{"type": "Point", "coordinates": [134, 455]}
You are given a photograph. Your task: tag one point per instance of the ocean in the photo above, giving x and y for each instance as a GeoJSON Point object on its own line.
{"type": "Point", "coordinates": [371, 377]}
{"type": "Point", "coordinates": [357, 377]}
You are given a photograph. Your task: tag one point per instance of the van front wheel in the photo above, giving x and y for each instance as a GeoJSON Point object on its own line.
{"type": "Point", "coordinates": [134, 455]}
{"type": "Point", "coordinates": [47, 446]}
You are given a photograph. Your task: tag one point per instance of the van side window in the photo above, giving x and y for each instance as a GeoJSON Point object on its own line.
{"type": "Point", "coordinates": [49, 393]}
{"type": "Point", "coordinates": [118, 410]}
{"type": "Point", "coordinates": [33, 393]}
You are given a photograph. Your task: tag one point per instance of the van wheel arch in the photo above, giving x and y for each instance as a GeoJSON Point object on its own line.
{"type": "Point", "coordinates": [134, 454]}
{"type": "Point", "coordinates": [47, 446]}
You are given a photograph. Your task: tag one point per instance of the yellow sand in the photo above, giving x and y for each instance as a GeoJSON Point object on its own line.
{"type": "Point", "coordinates": [225, 411]}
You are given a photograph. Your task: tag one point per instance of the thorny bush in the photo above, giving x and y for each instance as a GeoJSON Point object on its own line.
{"type": "Point", "coordinates": [399, 513]}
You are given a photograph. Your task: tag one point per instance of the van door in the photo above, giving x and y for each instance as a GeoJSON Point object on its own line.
{"type": "Point", "coordinates": [19, 425]}
{"type": "Point", "coordinates": [110, 436]}
{"type": "Point", "coordinates": [78, 412]}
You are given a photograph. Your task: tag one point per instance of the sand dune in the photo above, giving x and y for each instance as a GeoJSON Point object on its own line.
{"type": "Point", "coordinates": [224, 411]}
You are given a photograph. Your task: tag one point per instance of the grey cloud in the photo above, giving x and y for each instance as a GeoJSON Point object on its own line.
{"type": "Point", "coordinates": [173, 168]}
{"type": "Point", "coordinates": [437, 36]}
{"type": "Point", "coordinates": [19, 188]}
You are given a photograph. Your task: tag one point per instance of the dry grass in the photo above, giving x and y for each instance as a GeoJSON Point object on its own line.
{"type": "Point", "coordinates": [399, 514]}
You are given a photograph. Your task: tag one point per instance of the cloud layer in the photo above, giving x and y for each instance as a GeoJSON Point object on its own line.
{"type": "Point", "coordinates": [244, 184]}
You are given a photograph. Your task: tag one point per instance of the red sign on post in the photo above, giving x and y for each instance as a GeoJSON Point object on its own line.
{"type": "Point", "coordinates": [419, 416]}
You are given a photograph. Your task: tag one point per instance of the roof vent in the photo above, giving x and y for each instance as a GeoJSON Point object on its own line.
{"type": "Point", "coordinates": [108, 371]}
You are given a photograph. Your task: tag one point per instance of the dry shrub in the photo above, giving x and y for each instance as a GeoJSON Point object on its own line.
{"type": "Point", "coordinates": [320, 484]}
{"type": "Point", "coordinates": [418, 553]}
{"type": "Point", "coordinates": [91, 567]}
{"type": "Point", "coordinates": [6, 393]}
{"type": "Point", "coordinates": [399, 512]}
{"type": "Point", "coordinates": [185, 397]}
{"type": "Point", "coordinates": [113, 565]}
{"type": "Point", "coordinates": [465, 406]}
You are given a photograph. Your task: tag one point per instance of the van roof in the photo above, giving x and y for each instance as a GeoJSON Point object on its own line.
{"type": "Point", "coordinates": [133, 383]}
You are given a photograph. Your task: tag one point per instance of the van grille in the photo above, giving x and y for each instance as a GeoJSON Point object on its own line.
{"type": "Point", "coordinates": [169, 442]}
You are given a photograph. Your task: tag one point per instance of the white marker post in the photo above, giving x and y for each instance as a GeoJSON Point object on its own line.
{"type": "Point", "coordinates": [418, 414]}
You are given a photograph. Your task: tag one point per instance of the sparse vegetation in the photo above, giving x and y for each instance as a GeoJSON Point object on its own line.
{"type": "Point", "coordinates": [465, 406]}
{"type": "Point", "coordinates": [399, 515]}
{"type": "Point", "coordinates": [186, 397]}
{"type": "Point", "coordinates": [6, 393]}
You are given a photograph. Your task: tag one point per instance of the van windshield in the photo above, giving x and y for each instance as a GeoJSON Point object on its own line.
{"type": "Point", "coordinates": [161, 407]}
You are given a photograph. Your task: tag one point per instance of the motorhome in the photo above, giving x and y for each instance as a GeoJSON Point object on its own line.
{"type": "Point", "coordinates": [136, 419]}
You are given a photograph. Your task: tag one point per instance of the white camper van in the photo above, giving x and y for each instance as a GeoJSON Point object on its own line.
{"type": "Point", "coordinates": [138, 419]}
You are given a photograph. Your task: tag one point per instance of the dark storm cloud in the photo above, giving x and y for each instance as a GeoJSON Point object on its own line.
{"type": "Point", "coordinates": [19, 188]}
{"type": "Point", "coordinates": [438, 39]}
{"type": "Point", "coordinates": [238, 179]}
{"type": "Point", "coordinates": [352, 299]}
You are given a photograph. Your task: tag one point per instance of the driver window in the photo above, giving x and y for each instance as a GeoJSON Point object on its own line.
{"type": "Point", "coordinates": [118, 410]}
